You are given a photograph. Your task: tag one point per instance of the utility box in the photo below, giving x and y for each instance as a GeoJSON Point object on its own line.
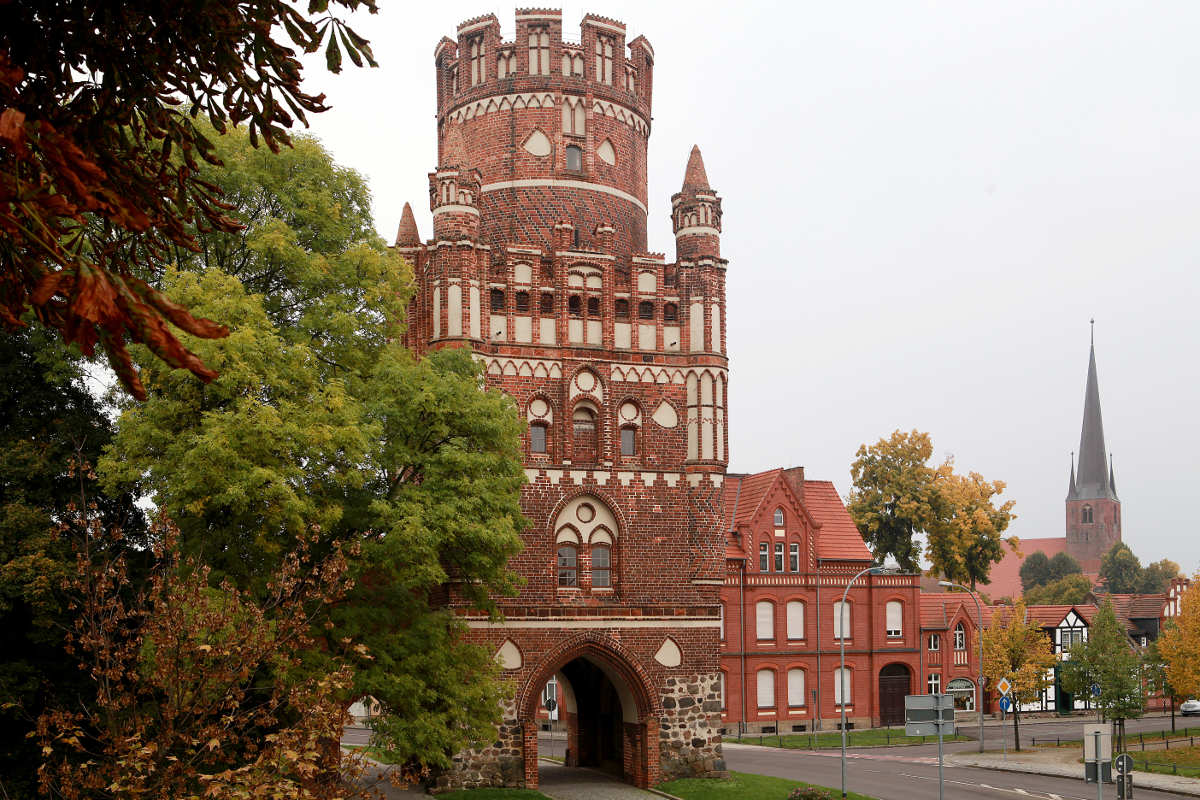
{"type": "Point", "coordinates": [1097, 752]}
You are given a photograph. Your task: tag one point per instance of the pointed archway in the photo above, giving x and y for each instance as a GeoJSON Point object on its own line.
{"type": "Point", "coordinates": [609, 711]}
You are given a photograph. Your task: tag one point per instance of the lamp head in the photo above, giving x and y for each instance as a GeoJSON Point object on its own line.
{"type": "Point", "coordinates": [946, 584]}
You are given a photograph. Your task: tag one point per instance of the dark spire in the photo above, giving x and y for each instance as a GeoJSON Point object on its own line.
{"type": "Point", "coordinates": [694, 177]}
{"type": "Point", "coordinates": [407, 234]}
{"type": "Point", "coordinates": [1071, 490]}
{"type": "Point", "coordinates": [1093, 479]}
{"type": "Point", "coordinates": [1112, 482]}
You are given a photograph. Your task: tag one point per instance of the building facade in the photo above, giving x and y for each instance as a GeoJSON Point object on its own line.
{"type": "Point", "coordinates": [615, 356]}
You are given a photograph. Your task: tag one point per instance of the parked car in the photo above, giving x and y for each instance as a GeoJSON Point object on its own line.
{"type": "Point", "coordinates": [1190, 707]}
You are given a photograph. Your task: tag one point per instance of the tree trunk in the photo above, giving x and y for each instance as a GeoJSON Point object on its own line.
{"type": "Point", "coordinates": [1016, 727]}
{"type": "Point", "coordinates": [1172, 713]}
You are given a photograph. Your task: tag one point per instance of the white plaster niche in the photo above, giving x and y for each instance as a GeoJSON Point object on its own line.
{"type": "Point", "coordinates": [669, 654]}
{"type": "Point", "coordinates": [665, 415]}
{"type": "Point", "coordinates": [509, 655]}
{"type": "Point", "coordinates": [606, 153]}
{"type": "Point", "coordinates": [537, 143]}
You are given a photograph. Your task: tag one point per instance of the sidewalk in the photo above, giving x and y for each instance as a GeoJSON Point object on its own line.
{"type": "Point", "coordinates": [1064, 762]}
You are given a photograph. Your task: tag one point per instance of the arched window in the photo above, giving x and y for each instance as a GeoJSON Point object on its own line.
{"type": "Point", "coordinates": [670, 312]}
{"type": "Point", "coordinates": [894, 614]}
{"type": "Point", "coordinates": [795, 683]}
{"type": "Point", "coordinates": [841, 619]}
{"type": "Point", "coordinates": [478, 67]}
{"type": "Point", "coordinates": [935, 642]}
{"type": "Point", "coordinates": [779, 518]}
{"type": "Point", "coordinates": [794, 557]}
{"type": "Point", "coordinates": [621, 308]}
{"type": "Point", "coordinates": [522, 302]}
{"type": "Point", "coordinates": [764, 557]}
{"type": "Point", "coordinates": [601, 566]}
{"type": "Point", "coordinates": [795, 619]}
{"type": "Point", "coordinates": [593, 306]}
{"type": "Point", "coordinates": [547, 304]}
{"type": "Point", "coordinates": [537, 437]}
{"type": "Point", "coordinates": [843, 686]}
{"type": "Point", "coordinates": [574, 158]}
{"type": "Point", "coordinates": [1086, 514]}
{"type": "Point", "coordinates": [960, 637]}
{"type": "Point", "coordinates": [766, 688]}
{"type": "Point", "coordinates": [497, 297]}
{"type": "Point", "coordinates": [604, 58]}
{"type": "Point", "coordinates": [539, 51]}
{"type": "Point", "coordinates": [568, 564]}
{"type": "Point", "coordinates": [645, 310]}
{"type": "Point", "coordinates": [574, 305]}
{"type": "Point", "coordinates": [583, 429]}
{"type": "Point", "coordinates": [764, 620]}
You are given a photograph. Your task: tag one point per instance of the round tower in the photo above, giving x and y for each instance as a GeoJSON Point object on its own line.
{"type": "Point", "coordinates": [556, 129]}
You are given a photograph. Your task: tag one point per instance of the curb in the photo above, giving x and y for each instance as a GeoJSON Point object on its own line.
{"type": "Point", "coordinates": [1146, 780]}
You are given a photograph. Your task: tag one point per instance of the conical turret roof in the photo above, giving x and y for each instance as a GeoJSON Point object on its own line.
{"type": "Point", "coordinates": [407, 234]}
{"type": "Point", "coordinates": [695, 179]}
{"type": "Point", "coordinates": [1093, 480]}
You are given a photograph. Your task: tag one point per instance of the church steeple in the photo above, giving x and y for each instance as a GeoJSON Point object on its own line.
{"type": "Point", "coordinates": [1094, 478]}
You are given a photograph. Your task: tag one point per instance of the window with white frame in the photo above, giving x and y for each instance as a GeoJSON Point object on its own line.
{"type": "Point", "coordinates": [779, 518]}
{"type": "Point", "coordinates": [764, 557]}
{"type": "Point", "coordinates": [895, 615]}
{"type": "Point", "coordinates": [795, 688]}
{"type": "Point", "coordinates": [601, 566]}
{"type": "Point", "coordinates": [841, 620]}
{"type": "Point", "coordinates": [934, 684]}
{"type": "Point", "coordinates": [721, 689]}
{"type": "Point", "coordinates": [766, 688]}
{"type": "Point", "coordinates": [960, 637]}
{"type": "Point", "coordinates": [795, 619]}
{"type": "Point", "coordinates": [779, 556]}
{"type": "Point", "coordinates": [935, 642]}
{"type": "Point", "coordinates": [794, 557]}
{"type": "Point", "coordinates": [764, 620]}
{"type": "Point", "coordinates": [842, 687]}
{"type": "Point", "coordinates": [722, 610]}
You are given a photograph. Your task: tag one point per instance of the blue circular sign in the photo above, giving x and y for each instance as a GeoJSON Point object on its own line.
{"type": "Point", "coordinates": [1095, 690]}
{"type": "Point", "coordinates": [1005, 704]}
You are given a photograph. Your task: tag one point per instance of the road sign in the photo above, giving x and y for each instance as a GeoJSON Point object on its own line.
{"type": "Point", "coordinates": [1095, 690]}
{"type": "Point", "coordinates": [1004, 686]}
{"type": "Point", "coordinates": [1124, 764]}
{"type": "Point", "coordinates": [1006, 703]}
{"type": "Point", "coordinates": [925, 714]}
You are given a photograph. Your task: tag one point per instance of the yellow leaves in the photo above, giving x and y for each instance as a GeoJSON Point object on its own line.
{"type": "Point", "coordinates": [213, 743]}
{"type": "Point", "coordinates": [1179, 644]}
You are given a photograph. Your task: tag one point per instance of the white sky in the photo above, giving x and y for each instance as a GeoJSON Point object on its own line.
{"type": "Point", "coordinates": [924, 204]}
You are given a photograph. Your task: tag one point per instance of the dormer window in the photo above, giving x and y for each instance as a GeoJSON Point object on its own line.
{"type": "Point", "coordinates": [779, 518]}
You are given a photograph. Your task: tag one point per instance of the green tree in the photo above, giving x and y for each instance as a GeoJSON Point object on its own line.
{"type": "Point", "coordinates": [892, 499]}
{"type": "Point", "coordinates": [50, 424]}
{"type": "Point", "coordinates": [965, 537]}
{"type": "Point", "coordinates": [1156, 578]}
{"type": "Point", "coordinates": [1120, 570]}
{"type": "Point", "coordinates": [1062, 565]}
{"type": "Point", "coordinates": [99, 171]}
{"type": "Point", "coordinates": [1065, 592]}
{"type": "Point", "coordinates": [1107, 658]}
{"type": "Point", "coordinates": [1015, 647]}
{"type": "Point", "coordinates": [1035, 570]}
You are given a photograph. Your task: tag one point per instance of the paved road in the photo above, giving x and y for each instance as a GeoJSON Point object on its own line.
{"type": "Point", "coordinates": [912, 774]}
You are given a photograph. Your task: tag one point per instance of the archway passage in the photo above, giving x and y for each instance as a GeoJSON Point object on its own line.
{"type": "Point", "coordinates": [606, 712]}
{"type": "Point", "coordinates": [895, 681]}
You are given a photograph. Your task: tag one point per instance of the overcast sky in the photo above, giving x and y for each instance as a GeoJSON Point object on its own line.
{"type": "Point", "coordinates": [925, 202]}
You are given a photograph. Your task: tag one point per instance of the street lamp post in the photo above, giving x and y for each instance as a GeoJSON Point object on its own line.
{"type": "Point", "coordinates": [979, 635]}
{"type": "Point", "coordinates": [874, 569]}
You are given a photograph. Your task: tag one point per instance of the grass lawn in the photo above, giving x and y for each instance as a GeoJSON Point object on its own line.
{"type": "Point", "coordinates": [741, 786]}
{"type": "Point", "coordinates": [494, 794]}
{"type": "Point", "coordinates": [832, 739]}
{"type": "Point", "coordinates": [1176, 761]}
{"type": "Point", "coordinates": [373, 753]}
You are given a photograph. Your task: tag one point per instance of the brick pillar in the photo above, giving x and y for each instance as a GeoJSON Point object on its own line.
{"type": "Point", "coordinates": [653, 750]}
{"type": "Point", "coordinates": [529, 752]}
{"type": "Point", "coordinates": [571, 722]}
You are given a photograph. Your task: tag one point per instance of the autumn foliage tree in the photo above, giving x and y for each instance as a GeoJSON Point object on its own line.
{"type": "Point", "coordinates": [101, 156]}
{"type": "Point", "coordinates": [1179, 645]}
{"type": "Point", "coordinates": [1015, 647]}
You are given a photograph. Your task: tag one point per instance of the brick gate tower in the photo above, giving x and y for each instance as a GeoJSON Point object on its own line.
{"type": "Point", "coordinates": [616, 358]}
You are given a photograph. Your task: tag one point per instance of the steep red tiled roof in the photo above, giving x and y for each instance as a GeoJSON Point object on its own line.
{"type": "Point", "coordinates": [1005, 577]}
{"type": "Point", "coordinates": [939, 608]}
{"type": "Point", "coordinates": [839, 536]}
{"type": "Point", "coordinates": [744, 494]}
{"type": "Point", "coordinates": [1050, 616]}
{"type": "Point", "coordinates": [694, 177]}
{"type": "Point", "coordinates": [1134, 606]}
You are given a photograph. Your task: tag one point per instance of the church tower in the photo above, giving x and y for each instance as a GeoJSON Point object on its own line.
{"type": "Point", "coordinates": [1093, 509]}
{"type": "Point", "coordinates": [615, 358]}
